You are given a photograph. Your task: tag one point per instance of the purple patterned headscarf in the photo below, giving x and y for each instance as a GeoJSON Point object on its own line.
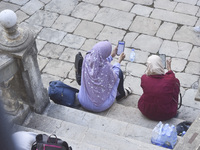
{"type": "Point", "coordinates": [98, 77]}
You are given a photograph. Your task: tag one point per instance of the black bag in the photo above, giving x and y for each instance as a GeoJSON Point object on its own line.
{"type": "Point", "coordinates": [78, 67]}
{"type": "Point", "coordinates": [45, 142]}
{"type": "Point", "coordinates": [183, 127]}
{"type": "Point", "coordinates": [63, 94]}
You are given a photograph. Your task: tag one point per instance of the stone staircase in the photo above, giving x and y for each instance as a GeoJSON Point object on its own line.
{"type": "Point", "coordinates": [120, 127]}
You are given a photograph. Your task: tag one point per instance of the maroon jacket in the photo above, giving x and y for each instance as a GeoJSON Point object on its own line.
{"type": "Point", "coordinates": [159, 100]}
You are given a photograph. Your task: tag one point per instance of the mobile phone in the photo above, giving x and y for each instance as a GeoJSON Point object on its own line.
{"type": "Point", "coordinates": [163, 57]}
{"type": "Point", "coordinates": [120, 48]}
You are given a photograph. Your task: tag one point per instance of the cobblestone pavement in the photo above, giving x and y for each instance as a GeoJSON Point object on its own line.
{"type": "Point", "coordinates": [64, 27]}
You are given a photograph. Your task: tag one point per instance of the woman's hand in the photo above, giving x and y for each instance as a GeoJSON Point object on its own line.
{"type": "Point", "coordinates": [169, 64]}
{"type": "Point", "coordinates": [114, 52]}
{"type": "Point", "coordinates": [121, 57]}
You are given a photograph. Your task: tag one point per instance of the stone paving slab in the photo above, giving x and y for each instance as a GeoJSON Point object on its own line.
{"type": "Point", "coordinates": [85, 11]}
{"type": "Point", "coordinates": [166, 30]}
{"type": "Point", "coordinates": [186, 80]}
{"type": "Point", "coordinates": [193, 2]}
{"type": "Point", "coordinates": [145, 25]}
{"type": "Point", "coordinates": [186, 34]}
{"type": "Point", "coordinates": [5, 5]}
{"type": "Point", "coordinates": [117, 4]}
{"type": "Point", "coordinates": [147, 43]}
{"type": "Point", "coordinates": [44, 18]}
{"type": "Point", "coordinates": [165, 4]}
{"type": "Point", "coordinates": [142, 10]}
{"type": "Point", "coordinates": [51, 35]}
{"type": "Point", "coordinates": [58, 68]}
{"type": "Point", "coordinates": [145, 2]}
{"type": "Point", "coordinates": [186, 9]}
{"type": "Point", "coordinates": [61, 7]}
{"type": "Point", "coordinates": [69, 41]}
{"type": "Point", "coordinates": [51, 50]}
{"type": "Point", "coordinates": [88, 29]}
{"type": "Point", "coordinates": [114, 18]}
{"type": "Point", "coordinates": [32, 6]}
{"type": "Point", "coordinates": [111, 34]}
{"type": "Point", "coordinates": [193, 68]}
{"type": "Point", "coordinates": [66, 23]}
{"type": "Point", "coordinates": [174, 17]}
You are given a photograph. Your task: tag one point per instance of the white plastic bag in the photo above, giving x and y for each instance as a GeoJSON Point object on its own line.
{"type": "Point", "coordinates": [164, 135]}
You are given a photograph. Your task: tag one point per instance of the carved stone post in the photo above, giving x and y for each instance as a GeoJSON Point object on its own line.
{"type": "Point", "coordinates": [20, 44]}
{"type": "Point", "coordinates": [197, 98]}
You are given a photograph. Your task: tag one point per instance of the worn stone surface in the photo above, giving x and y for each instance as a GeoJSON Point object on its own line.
{"type": "Point", "coordinates": [165, 4]}
{"type": "Point", "coordinates": [42, 18]}
{"type": "Point", "coordinates": [166, 30]}
{"type": "Point", "coordinates": [88, 29]}
{"type": "Point", "coordinates": [117, 4]}
{"type": "Point", "coordinates": [147, 43]}
{"type": "Point", "coordinates": [129, 38]}
{"type": "Point", "coordinates": [77, 25]}
{"type": "Point", "coordinates": [19, 2]}
{"type": "Point", "coordinates": [21, 16]}
{"type": "Point", "coordinates": [111, 34]}
{"type": "Point", "coordinates": [195, 54]}
{"type": "Point", "coordinates": [186, 80]}
{"type": "Point", "coordinates": [178, 64]}
{"type": "Point", "coordinates": [42, 61]}
{"type": "Point", "coordinates": [145, 25]}
{"type": "Point", "coordinates": [142, 10]}
{"type": "Point", "coordinates": [5, 5]}
{"type": "Point", "coordinates": [66, 23]}
{"type": "Point", "coordinates": [145, 2]}
{"type": "Point", "coordinates": [89, 43]}
{"type": "Point", "coordinates": [61, 7]}
{"type": "Point", "coordinates": [85, 11]}
{"type": "Point", "coordinates": [51, 35]}
{"type": "Point", "coordinates": [186, 34]}
{"type": "Point", "coordinates": [55, 67]}
{"type": "Point", "coordinates": [173, 17]}
{"type": "Point", "coordinates": [135, 69]}
{"type": "Point", "coordinates": [51, 50]}
{"type": "Point", "coordinates": [186, 9]}
{"type": "Point", "coordinates": [193, 68]}
{"type": "Point", "coordinates": [32, 6]}
{"type": "Point", "coordinates": [69, 55]}
{"type": "Point", "coordinates": [69, 41]}
{"type": "Point", "coordinates": [93, 1]}
{"type": "Point", "coordinates": [107, 16]}
{"type": "Point", "coordinates": [192, 2]}
{"type": "Point", "coordinates": [40, 44]}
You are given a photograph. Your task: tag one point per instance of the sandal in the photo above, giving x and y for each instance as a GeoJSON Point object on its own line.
{"type": "Point", "coordinates": [127, 91]}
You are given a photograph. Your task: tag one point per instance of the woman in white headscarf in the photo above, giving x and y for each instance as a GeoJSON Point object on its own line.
{"type": "Point", "coordinates": [159, 100]}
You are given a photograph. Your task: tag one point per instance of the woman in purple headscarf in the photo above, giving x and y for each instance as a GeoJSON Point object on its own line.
{"type": "Point", "coordinates": [101, 82]}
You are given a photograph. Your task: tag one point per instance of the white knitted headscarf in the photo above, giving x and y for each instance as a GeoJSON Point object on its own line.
{"type": "Point", "coordinates": [154, 65]}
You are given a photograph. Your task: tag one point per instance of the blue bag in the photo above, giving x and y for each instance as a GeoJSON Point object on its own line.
{"type": "Point", "coordinates": [62, 94]}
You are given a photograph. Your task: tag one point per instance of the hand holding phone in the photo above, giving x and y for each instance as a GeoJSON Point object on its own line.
{"type": "Point", "coordinates": [120, 47]}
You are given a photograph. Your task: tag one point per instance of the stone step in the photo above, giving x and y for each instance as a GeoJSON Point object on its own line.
{"type": "Point", "coordinates": [104, 140]}
{"type": "Point", "coordinates": [134, 116]}
{"type": "Point", "coordinates": [119, 112]}
{"type": "Point", "coordinates": [76, 145]}
{"type": "Point", "coordinates": [101, 123]}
